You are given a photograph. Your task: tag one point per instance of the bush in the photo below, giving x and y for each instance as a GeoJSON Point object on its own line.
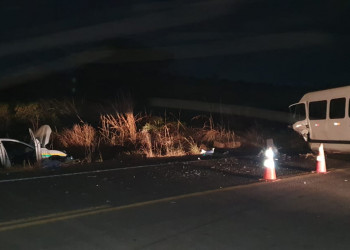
{"type": "Point", "coordinates": [31, 113]}
{"type": "Point", "coordinates": [81, 140]}
{"type": "Point", "coordinates": [5, 117]}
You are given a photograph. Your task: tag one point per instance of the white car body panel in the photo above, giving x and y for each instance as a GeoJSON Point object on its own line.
{"type": "Point", "coordinates": [37, 144]}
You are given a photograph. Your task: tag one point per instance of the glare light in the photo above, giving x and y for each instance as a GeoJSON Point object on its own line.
{"type": "Point", "coordinates": [317, 125]}
{"type": "Point", "coordinates": [336, 123]}
{"type": "Point", "coordinates": [269, 162]}
{"type": "Point", "coordinates": [298, 126]}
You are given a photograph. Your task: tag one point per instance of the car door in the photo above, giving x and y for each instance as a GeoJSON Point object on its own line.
{"type": "Point", "coordinates": [318, 120]}
{"type": "Point", "coordinates": [36, 145]}
{"type": "Point", "coordinates": [4, 159]}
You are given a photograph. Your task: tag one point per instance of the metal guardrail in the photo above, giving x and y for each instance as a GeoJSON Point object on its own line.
{"type": "Point", "coordinates": [271, 115]}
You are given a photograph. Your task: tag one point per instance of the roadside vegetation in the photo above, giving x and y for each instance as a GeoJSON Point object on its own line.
{"type": "Point", "coordinates": [96, 133]}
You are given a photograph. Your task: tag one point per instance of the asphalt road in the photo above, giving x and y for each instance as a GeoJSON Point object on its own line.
{"type": "Point", "coordinates": [178, 209]}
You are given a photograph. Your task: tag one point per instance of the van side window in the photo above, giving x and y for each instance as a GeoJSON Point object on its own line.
{"type": "Point", "coordinates": [337, 108]}
{"type": "Point", "coordinates": [317, 110]}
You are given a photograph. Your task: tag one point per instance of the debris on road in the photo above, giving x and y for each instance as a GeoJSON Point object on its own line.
{"type": "Point", "coordinates": [207, 152]}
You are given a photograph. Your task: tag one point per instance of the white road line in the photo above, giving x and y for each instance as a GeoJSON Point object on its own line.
{"type": "Point", "coordinates": [89, 172]}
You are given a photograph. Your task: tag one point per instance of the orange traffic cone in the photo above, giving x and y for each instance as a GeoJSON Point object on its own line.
{"type": "Point", "coordinates": [269, 164]}
{"type": "Point", "coordinates": [321, 161]}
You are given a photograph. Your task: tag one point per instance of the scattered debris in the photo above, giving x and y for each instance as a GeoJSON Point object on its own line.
{"type": "Point", "coordinates": [308, 155]}
{"type": "Point", "coordinates": [209, 152]}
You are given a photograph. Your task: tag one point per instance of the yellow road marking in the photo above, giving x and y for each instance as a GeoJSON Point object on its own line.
{"type": "Point", "coordinates": [45, 219]}
{"type": "Point", "coordinates": [42, 217]}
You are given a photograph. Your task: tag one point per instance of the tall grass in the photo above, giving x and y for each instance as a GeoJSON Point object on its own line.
{"type": "Point", "coordinates": [214, 135]}
{"type": "Point", "coordinates": [146, 143]}
{"type": "Point", "coordinates": [159, 137]}
{"type": "Point", "coordinates": [162, 140]}
{"type": "Point", "coordinates": [80, 137]}
{"type": "Point", "coordinates": [118, 129]}
{"type": "Point", "coordinates": [193, 147]}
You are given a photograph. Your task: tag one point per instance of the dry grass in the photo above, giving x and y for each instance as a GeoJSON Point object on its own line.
{"type": "Point", "coordinates": [124, 132]}
{"type": "Point", "coordinates": [219, 138]}
{"type": "Point", "coordinates": [118, 129]}
{"type": "Point", "coordinates": [80, 137]}
{"type": "Point", "coordinates": [213, 136]}
{"type": "Point", "coordinates": [153, 138]}
{"type": "Point", "coordinates": [161, 139]}
{"type": "Point", "coordinates": [146, 143]}
{"type": "Point", "coordinates": [118, 132]}
{"type": "Point", "coordinates": [158, 138]}
{"type": "Point", "coordinates": [192, 146]}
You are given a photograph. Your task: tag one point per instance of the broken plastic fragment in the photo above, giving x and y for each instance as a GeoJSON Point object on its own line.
{"type": "Point", "coordinates": [209, 152]}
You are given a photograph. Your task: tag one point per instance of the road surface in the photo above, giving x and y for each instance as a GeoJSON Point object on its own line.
{"type": "Point", "coordinates": [96, 211]}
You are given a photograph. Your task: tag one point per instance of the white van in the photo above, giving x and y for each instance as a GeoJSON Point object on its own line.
{"type": "Point", "coordinates": [324, 117]}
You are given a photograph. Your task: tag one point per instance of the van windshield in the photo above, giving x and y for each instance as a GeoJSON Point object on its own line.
{"type": "Point", "coordinates": [298, 112]}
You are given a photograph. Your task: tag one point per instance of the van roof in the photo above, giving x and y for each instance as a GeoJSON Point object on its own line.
{"type": "Point", "coordinates": [327, 94]}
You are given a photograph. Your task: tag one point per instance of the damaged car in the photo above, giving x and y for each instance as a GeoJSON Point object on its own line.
{"type": "Point", "coordinates": [15, 152]}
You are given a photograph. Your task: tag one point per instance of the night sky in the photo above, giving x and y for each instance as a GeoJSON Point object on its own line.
{"type": "Point", "coordinates": [289, 42]}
